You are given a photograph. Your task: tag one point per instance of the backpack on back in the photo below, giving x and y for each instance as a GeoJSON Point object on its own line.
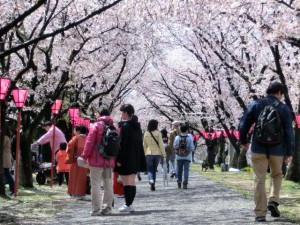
{"type": "Point", "coordinates": [110, 143]}
{"type": "Point", "coordinates": [182, 149]}
{"type": "Point", "coordinates": [268, 127]}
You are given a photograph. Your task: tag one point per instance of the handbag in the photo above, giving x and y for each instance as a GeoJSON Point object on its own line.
{"type": "Point", "coordinates": [82, 163]}
{"type": "Point", "coordinates": [119, 179]}
{"type": "Point", "coordinates": [71, 154]}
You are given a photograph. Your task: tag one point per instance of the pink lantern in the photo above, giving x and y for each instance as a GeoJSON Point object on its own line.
{"type": "Point", "coordinates": [78, 121]}
{"type": "Point", "coordinates": [4, 84]}
{"type": "Point", "coordinates": [236, 134]}
{"type": "Point", "coordinates": [298, 120]}
{"type": "Point", "coordinates": [81, 121]}
{"type": "Point", "coordinates": [225, 134]}
{"type": "Point", "coordinates": [56, 106]}
{"type": "Point", "coordinates": [87, 123]}
{"type": "Point", "coordinates": [218, 133]}
{"type": "Point", "coordinates": [73, 114]}
{"type": "Point", "coordinates": [19, 97]}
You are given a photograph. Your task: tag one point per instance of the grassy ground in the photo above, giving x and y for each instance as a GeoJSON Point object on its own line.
{"type": "Point", "coordinates": [38, 202]}
{"type": "Point", "coordinates": [242, 182]}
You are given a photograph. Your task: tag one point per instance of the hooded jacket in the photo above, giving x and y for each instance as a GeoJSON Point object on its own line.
{"type": "Point", "coordinates": [131, 155]}
{"type": "Point", "coordinates": [61, 157]}
{"type": "Point", "coordinates": [94, 138]}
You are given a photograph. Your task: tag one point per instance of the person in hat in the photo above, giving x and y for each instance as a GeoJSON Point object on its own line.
{"type": "Point", "coordinates": [263, 156]}
{"type": "Point", "coordinates": [131, 158]}
{"type": "Point", "coordinates": [174, 132]}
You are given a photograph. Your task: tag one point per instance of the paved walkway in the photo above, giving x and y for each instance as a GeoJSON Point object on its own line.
{"type": "Point", "coordinates": [204, 202]}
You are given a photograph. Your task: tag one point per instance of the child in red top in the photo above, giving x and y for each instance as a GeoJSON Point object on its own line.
{"type": "Point", "coordinates": [62, 168]}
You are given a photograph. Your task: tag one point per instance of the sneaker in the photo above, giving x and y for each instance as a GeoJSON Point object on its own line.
{"type": "Point", "coordinates": [139, 178]}
{"type": "Point", "coordinates": [152, 186]}
{"type": "Point", "coordinates": [260, 219]}
{"type": "Point", "coordinates": [96, 213]}
{"type": "Point", "coordinates": [106, 211]}
{"type": "Point", "coordinates": [179, 184]}
{"type": "Point", "coordinates": [173, 175]}
{"type": "Point", "coordinates": [184, 186]}
{"type": "Point", "coordinates": [272, 207]}
{"type": "Point", "coordinates": [130, 208]}
{"type": "Point", "coordinates": [84, 198]}
{"type": "Point", "coordinates": [126, 208]}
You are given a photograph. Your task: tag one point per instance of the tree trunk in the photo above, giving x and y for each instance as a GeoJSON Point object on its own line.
{"type": "Point", "coordinates": [242, 160]}
{"type": "Point", "coordinates": [2, 187]}
{"type": "Point", "coordinates": [293, 172]}
{"type": "Point", "coordinates": [25, 167]}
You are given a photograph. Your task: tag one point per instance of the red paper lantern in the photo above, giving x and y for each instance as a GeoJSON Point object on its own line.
{"type": "Point", "coordinates": [19, 97]}
{"type": "Point", "coordinates": [73, 114]}
{"type": "Point", "coordinates": [87, 123]}
{"type": "Point", "coordinates": [298, 120]}
{"type": "Point", "coordinates": [56, 106]}
{"type": "Point", "coordinates": [4, 84]}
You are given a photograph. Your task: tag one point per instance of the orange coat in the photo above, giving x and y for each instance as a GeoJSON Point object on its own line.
{"type": "Point", "coordinates": [78, 175]}
{"type": "Point", "coordinates": [61, 158]}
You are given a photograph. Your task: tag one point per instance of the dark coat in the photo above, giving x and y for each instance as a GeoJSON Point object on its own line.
{"type": "Point", "coordinates": [250, 117]}
{"type": "Point", "coordinates": [131, 156]}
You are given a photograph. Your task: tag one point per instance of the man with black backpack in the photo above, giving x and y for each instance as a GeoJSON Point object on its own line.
{"type": "Point", "coordinates": [272, 142]}
{"type": "Point", "coordinates": [184, 147]}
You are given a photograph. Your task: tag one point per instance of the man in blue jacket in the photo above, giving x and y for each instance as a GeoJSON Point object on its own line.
{"type": "Point", "coordinates": [263, 156]}
{"type": "Point", "coordinates": [183, 161]}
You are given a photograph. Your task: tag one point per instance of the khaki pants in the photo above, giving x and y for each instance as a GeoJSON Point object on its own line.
{"type": "Point", "coordinates": [98, 174]}
{"type": "Point", "coordinates": [260, 164]}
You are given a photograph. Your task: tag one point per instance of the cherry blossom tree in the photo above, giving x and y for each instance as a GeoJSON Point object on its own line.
{"type": "Point", "coordinates": [241, 46]}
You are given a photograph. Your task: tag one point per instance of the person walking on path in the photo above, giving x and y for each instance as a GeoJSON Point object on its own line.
{"type": "Point", "coordinates": [131, 158]}
{"type": "Point", "coordinates": [100, 168]}
{"type": "Point", "coordinates": [263, 156]}
{"type": "Point", "coordinates": [154, 150]}
{"type": "Point", "coordinates": [183, 161]}
{"type": "Point", "coordinates": [7, 160]}
{"type": "Point", "coordinates": [61, 167]}
{"type": "Point", "coordinates": [211, 145]}
{"type": "Point", "coordinates": [173, 134]}
{"type": "Point", "coordinates": [78, 174]}
{"type": "Point", "coordinates": [168, 152]}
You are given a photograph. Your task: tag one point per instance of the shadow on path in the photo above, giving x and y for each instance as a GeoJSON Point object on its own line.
{"type": "Point", "coordinates": [204, 202]}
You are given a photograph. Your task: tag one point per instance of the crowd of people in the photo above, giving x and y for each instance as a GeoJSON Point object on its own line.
{"type": "Point", "coordinates": [142, 152]}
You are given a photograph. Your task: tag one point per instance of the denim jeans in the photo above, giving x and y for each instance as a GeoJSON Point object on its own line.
{"type": "Point", "coordinates": [152, 163]}
{"type": "Point", "coordinates": [183, 165]}
{"type": "Point", "coordinates": [9, 179]}
{"type": "Point", "coordinates": [172, 163]}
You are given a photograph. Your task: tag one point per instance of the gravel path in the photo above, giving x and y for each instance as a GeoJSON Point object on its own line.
{"type": "Point", "coordinates": [204, 202]}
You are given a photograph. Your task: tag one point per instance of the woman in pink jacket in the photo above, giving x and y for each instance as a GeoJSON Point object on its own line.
{"type": "Point", "coordinates": [100, 168]}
